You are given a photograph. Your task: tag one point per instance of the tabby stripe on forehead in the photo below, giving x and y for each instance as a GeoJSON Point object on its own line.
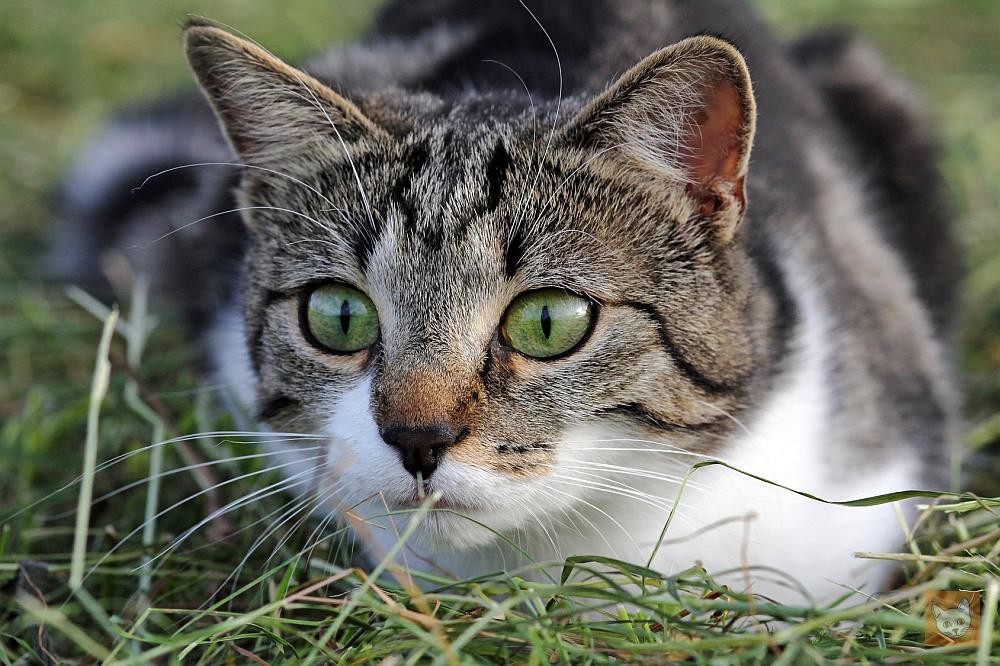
{"type": "Point", "coordinates": [496, 175]}
{"type": "Point", "coordinates": [514, 251]}
{"type": "Point", "coordinates": [413, 162]}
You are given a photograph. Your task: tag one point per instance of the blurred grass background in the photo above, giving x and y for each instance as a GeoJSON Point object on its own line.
{"type": "Point", "coordinates": [65, 67]}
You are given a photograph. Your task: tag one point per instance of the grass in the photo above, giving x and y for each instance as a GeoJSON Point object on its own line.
{"type": "Point", "coordinates": [65, 67]}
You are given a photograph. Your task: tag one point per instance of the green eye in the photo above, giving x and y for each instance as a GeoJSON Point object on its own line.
{"type": "Point", "coordinates": [341, 318]}
{"type": "Point", "coordinates": [547, 322]}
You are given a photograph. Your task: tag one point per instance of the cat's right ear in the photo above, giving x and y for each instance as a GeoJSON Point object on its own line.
{"type": "Point", "coordinates": [268, 108]}
{"type": "Point", "coordinates": [685, 114]}
{"type": "Point", "coordinates": [937, 610]}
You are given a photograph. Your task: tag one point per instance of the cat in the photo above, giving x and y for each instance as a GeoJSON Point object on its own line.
{"type": "Point", "coordinates": [953, 622]}
{"type": "Point", "coordinates": [540, 259]}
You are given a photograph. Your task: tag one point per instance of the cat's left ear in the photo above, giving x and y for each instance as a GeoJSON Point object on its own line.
{"type": "Point", "coordinates": [685, 113]}
{"type": "Point", "coordinates": [269, 110]}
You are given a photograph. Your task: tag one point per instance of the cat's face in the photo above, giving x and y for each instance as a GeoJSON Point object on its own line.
{"type": "Point", "coordinates": [953, 622]}
{"type": "Point", "coordinates": [489, 301]}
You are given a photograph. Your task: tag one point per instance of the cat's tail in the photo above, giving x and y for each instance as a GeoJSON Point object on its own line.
{"type": "Point", "coordinates": [883, 122]}
{"type": "Point", "coordinates": [113, 203]}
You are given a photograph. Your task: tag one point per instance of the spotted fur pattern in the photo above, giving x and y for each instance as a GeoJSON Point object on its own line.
{"type": "Point", "coordinates": [748, 305]}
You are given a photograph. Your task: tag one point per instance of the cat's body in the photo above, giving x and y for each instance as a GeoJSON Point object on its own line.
{"type": "Point", "coordinates": [791, 320]}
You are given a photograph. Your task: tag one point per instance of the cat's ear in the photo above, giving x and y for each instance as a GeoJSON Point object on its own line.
{"type": "Point", "coordinates": [684, 113]}
{"type": "Point", "coordinates": [267, 108]}
{"type": "Point", "coordinates": [964, 605]}
{"type": "Point", "coordinates": [937, 610]}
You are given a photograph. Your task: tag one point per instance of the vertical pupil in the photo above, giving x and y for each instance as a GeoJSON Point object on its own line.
{"type": "Point", "coordinates": [345, 316]}
{"type": "Point", "coordinates": [546, 322]}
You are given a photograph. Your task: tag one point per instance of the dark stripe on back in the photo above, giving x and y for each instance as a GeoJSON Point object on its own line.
{"type": "Point", "coordinates": [691, 371]}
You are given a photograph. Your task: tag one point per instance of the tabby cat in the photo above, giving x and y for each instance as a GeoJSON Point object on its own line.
{"type": "Point", "coordinates": [540, 258]}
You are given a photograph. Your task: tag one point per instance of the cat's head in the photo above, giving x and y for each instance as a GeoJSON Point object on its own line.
{"type": "Point", "coordinates": [953, 622]}
{"type": "Point", "coordinates": [507, 300]}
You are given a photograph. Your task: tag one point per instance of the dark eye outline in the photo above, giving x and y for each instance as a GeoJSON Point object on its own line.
{"type": "Point", "coordinates": [595, 311]}
{"type": "Point", "coordinates": [307, 333]}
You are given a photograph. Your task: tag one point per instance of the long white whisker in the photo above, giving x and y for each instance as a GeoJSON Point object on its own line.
{"type": "Point", "coordinates": [632, 471]}
{"type": "Point", "coordinates": [234, 164]}
{"type": "Point", "coordinates": [552, 129]}
{"type": "Point", "coordinates": [177, 470]}
{"type": "Point", "coordinates": [318, 501]}
{"type": "Point", "coordinates": [260, 493]}
{"type": "Point", "coordinates": [347, 152]}
{"type": "Point", "coordinates": [725, 413]}
{"type": "Point", "coordinates": [600, 532]}
{"type": "Point", "coordinates": [652, 500]}
{"type": "Point", "coordinates": [179, 503]}
{"type": "Point", "coordinates": [146, 246]}
{"type": "Point", "coordinates": [299, 505]}
{"type": "Point", "coordinates": [524, 85]}
{"type": "Point", "coordinates": [174, 440]}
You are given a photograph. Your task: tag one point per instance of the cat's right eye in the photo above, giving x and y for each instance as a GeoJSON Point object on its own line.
{"type": "Point", "coordinates": [340, 318]}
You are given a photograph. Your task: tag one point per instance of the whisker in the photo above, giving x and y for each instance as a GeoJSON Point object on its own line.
{"type": "Point", "coordinates": [725, 413]}
{"type": "Point", "coordinates": [632, 471]}
{"type": "Point", "coordinates": [347, 153]}
{"type": "Point", "coordinates": [260, 493]}
{"type": "Point", "coordinates": [318, 500]}
{"type": "Point", "coordinates": [552, 130]}
{"type": "Point", "coordinates": [652, 500]}
{"type": "Point", "coordinates": [173, 440]}
{"type": "Point", "coordinates": [524, 85]}
{"type": "Point", "coordinates": [234, 164]}
{"type": "Point", "coordinates": [178, 470]}
{"type": "Point", "coordinates": [600, 532]}
{"type": "Point", "coordinates": [289, 514]}
{"type": "Point", "coordinates": [146, 246]}
{"type": "Point", "coordinates": [214, 514]}
{"type": "Point", "coordinates": [678, 449]}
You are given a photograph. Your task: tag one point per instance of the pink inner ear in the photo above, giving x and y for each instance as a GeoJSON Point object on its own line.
{"type": "Point", "coordinates": [714, 135]}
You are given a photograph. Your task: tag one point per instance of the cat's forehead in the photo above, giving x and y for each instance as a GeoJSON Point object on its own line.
{"type": "Point", "coordinates": [465, 200]}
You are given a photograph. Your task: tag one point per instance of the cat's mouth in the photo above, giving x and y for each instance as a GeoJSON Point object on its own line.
{"type": "Point", "coordinates": [445, 502]}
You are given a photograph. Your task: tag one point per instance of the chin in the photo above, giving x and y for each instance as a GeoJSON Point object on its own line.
{"type": "Point", "coordinates": [446, 531]}
{"type": "Point", "coordinates": [472, 512]}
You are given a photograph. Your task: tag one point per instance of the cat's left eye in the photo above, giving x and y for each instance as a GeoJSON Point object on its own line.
{"type": "Point", "coordinates": [547, 323]}
{"type": "Point", "coordinates": [341, 318]}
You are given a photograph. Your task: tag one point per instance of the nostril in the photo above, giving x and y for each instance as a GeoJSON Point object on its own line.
{"type": "Point", "coordinates": [428, 436]}
{"type": "Point", "coordinates": [420, 448]}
